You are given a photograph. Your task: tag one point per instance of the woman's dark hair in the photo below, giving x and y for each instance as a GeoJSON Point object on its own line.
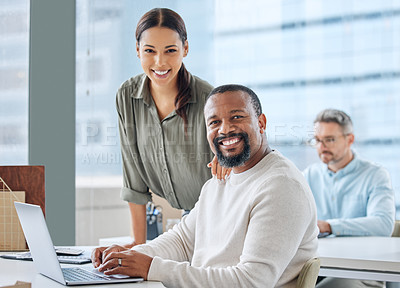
{"type": "Point", "coordinates": [163, 17]}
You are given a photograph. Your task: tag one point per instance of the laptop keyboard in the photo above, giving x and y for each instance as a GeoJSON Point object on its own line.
{"type": "Point", "coordinates": [78, 274]}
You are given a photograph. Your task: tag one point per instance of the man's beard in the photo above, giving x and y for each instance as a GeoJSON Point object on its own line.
{"type": "Point", "coordinates": [236, 160]}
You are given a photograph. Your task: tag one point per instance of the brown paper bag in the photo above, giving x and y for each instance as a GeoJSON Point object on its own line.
{"type": "Point", "coordinates": [18, 284]}
{"type": "Point", "coordinates": [11, 234]}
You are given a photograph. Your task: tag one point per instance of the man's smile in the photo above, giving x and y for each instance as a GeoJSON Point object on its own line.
{"type": "Point", "coordinates": [229, 141]}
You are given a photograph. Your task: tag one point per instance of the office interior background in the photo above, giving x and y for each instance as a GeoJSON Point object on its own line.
{"type": "Point", "coordinates": [299, 56]}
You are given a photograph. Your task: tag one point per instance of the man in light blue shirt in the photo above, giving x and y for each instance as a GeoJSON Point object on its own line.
{"type": "Point", "coordinates": [354, 197]}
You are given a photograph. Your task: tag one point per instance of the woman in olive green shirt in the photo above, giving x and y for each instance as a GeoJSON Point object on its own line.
{"type": "Point", "coordinates": [161, 123]}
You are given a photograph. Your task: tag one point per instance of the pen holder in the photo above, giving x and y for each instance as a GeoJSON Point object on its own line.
{"type": "Point", "coordinates": [154, 221]}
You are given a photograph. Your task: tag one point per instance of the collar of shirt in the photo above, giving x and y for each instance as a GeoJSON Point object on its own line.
{"type": "Point", "coordinates": [144, 92]}
{"type": "Point", "coordinates": [239, 178]}
{"type": "Point", "coordinates": [346, 169]}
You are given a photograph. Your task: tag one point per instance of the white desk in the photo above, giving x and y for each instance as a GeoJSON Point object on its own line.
{"type": "Point", "coordinates": [13, 270]}
{"type": "Point", "coordinates": [369, 258]}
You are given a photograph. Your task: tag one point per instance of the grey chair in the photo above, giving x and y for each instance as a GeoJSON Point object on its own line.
{"type": "Point", "coordinates": [396, 230]}
{"type": "Point", "coordinates": [396, 233]}
{"type": "Point", "coordinates": [308, 274]}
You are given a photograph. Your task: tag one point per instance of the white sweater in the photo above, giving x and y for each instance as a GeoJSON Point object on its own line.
{"type": "Point", "coordinates": [255, 230]}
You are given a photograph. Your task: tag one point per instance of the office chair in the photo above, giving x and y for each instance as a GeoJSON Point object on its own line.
{"type": "Point", "coordinates": [396, 230]}
{"type": "Point", "coordinates": [308, 274]}
{"type": "Point", "coordinates": [395, 233]}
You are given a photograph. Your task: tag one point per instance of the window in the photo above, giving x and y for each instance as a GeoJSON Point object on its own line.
{"type": "Point", "coordinates": [106, 57]}
{"type": "Point", "coordinates": [14, 47]}
{"type": "Point", "coordinates": [300, 56]}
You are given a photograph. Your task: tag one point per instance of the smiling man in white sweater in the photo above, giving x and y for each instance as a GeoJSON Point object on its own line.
{"type": "Point", "coordinates": [256, 229]}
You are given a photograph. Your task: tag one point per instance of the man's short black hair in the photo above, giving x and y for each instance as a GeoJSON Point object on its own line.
{"type": "Point", "coordinates": [255, 101]}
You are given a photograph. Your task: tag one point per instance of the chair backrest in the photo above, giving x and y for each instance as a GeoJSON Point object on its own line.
{"type": "Point", "coordinates": [396, 231]}
{"type": "Point", "coordinates": [308, 274]}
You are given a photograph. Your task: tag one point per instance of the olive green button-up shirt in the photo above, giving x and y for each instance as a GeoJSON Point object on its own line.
{"type": "Point", "coordinates": [156, 154]}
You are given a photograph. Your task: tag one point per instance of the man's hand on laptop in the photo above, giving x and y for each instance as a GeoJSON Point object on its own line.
{"type": "Point", "coordinates": [100, 253]}
{"type": "Point", "coordinates": [126, 262]}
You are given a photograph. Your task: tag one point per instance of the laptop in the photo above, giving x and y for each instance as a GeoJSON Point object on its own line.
{"type": "Point", "coordinates": [45, 258]}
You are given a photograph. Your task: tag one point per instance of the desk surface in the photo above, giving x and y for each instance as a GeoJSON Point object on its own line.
{"type": "Point", "coordinates": [372, 258]}
{"type": "Point", "coordinates": [13, 270]}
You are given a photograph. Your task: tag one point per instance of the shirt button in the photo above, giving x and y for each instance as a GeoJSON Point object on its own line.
{"type": "Point", "coordinates": [165, 171]}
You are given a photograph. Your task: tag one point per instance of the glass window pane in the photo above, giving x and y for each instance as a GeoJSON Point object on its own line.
{"type": "Point", "coordinates": [317, 55]}
{"type": "Point", "coordinates": [105, 58]}
{"type": "Point", "coordinates": [299, 56]}
{"type": "Point", "coordinates": [14, 61]}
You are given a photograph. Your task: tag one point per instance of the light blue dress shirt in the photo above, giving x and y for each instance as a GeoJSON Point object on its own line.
{"type": "Point", "coordinates": [357, 200]}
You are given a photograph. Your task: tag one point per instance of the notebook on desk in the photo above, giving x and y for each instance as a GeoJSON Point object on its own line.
{"type": "Point", "coordinates": [45, 257]}
{"type": "Point", "coordinates": [66, 259]}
